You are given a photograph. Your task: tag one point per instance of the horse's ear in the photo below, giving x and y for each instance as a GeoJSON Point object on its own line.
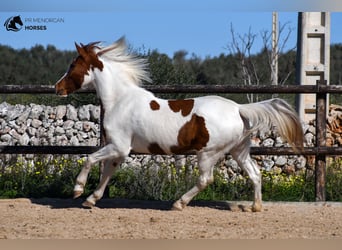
{"type": "Point", "coordinates": [80, 50]}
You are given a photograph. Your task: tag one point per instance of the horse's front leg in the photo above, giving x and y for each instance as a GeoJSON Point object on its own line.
{"type": "Point", "coordinates": [82, 178]}
{"type": "Point", "coordinates": [108, 171]}
{"type": "Point", "coordinates": [107, 152]}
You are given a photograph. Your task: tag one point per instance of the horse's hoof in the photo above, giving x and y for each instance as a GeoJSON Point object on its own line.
{"type": "Point", "coordinates": [77, 194]}
{"type": "Point", "coordinates": [178, 206]}
{"type": "Point", "coordinates": [88, 204]}
{"type": "Point", "coordinates": [256, 208]}
{"type": "Point", "coordinates": [246, 208]}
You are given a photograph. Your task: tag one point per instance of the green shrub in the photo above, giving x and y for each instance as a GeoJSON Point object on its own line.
{"type": "Point", "coordinates": [55, 177]}
{"type": "Point", "coordinates": [40, 177]}
{"type": "Point", "coordinates": [334, 181]}
{"type": "Point", "coordinates": [282, 187]}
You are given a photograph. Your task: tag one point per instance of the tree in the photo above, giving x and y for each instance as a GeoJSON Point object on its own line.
{"type": "Point", "coordinates": [241, 46]}
{"type": "Point", "coordinates": [275, 52]}
{"type": "Point", "coordinates": [250, 70]}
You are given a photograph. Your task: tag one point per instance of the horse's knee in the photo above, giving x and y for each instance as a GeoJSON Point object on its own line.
{"type": "Point", "coordinates": [204, 181]}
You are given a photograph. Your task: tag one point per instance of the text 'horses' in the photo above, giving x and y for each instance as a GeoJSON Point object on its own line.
{"type": "Point", "coordinates": [134, 119]}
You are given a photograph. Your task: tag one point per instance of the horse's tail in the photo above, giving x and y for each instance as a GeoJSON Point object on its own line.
{"type": "Point", "coordinates": [275, 112]}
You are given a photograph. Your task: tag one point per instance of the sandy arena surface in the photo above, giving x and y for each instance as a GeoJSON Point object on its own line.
{"type": "Point", "coordinates": [129, 219]}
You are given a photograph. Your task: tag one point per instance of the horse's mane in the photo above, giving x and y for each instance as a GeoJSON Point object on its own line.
{"type": "Point", "coordinates": [136, 67]}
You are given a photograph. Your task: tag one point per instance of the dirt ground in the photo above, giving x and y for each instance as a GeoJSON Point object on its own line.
{"type": "Point", "coordinates": [129, 219]}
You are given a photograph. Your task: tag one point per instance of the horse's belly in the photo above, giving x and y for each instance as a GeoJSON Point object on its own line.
{"type": "Point", "coordinates": [151, 146]}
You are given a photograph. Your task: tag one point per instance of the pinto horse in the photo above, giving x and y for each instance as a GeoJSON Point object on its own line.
{"type": "Point", "coordinates": [135, 119]}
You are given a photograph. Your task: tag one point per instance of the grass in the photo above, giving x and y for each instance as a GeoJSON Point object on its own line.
{"type": "Point", "coordinates": [55, 176]}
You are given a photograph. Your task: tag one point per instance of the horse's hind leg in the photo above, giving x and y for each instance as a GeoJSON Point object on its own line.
{"type": "Point", "coordinates": [243, 158]}
{"type": "Point", "coordinates": [206, 163]}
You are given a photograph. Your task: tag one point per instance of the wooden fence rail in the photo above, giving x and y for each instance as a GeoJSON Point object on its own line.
{"type": "Point", "coordinates": [320, 150]}
{"type": "Point", "coordinates": [200, 89]}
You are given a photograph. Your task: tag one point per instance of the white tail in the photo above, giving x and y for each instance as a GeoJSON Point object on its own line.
{"type": "Point", "coordinates": [275, 112]}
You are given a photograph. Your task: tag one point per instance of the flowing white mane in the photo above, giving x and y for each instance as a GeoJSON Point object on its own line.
{"type": "Point", "coordinates": [136, 67]}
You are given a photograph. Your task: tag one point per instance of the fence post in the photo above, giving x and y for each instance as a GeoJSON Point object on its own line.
{"type": "Point", "coordinates": [320, 162]}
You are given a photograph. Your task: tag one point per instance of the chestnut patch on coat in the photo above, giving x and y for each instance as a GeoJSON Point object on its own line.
{"type": "Point", "coordinates": [154, 148]}
{"type": "Point", "coordinates": [193, 135]}
{"type": "Point", "coordinates": [154, 105]}
{"type": "Point", "coordinates": [185, 106]}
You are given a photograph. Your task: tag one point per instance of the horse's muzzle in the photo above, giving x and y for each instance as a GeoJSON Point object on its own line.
{"type": "Point", "coordinates": [61, 92]}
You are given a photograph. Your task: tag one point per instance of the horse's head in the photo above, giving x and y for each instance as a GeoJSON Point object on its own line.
{"type": "Point", "coordinates": [81, 71]}
{"type": "Point", "coordinates": [17, 20]}
{"type": "Point", "coordinates": [11, 23]}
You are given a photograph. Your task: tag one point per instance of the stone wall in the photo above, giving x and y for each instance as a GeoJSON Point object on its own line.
{"type": "Point", "coordinates": [66, 125]}
{"type": "Point", "coordinates": [44, 125]}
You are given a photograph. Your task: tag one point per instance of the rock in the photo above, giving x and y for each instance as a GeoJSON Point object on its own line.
{"type": "Point", "coordinates": [22, 129]}
{"type": "Point", "coordinates": [47, 123]}
{"type": "Point", "coordinates": [268, 142]}
{"type": "Point", "coordinates": [71, 113]}
{"type": "Point", "coordinates": [70, 133]}
{"type": "Point", "coordinates": [87, 126]}
{"type": "Point", "coordinates": [34, 141]}
{"type": "Point", "coordinates": [267, 164]}
{"type": "Point", "coordinates": [61, 112]}
{"type": "Point", "coordinates": [14, 112]}
{"type": "Point", "coordinates": [36, 123]}
{"type": "Point", "coordinates": [312, 130]}
{"type": "Point", "coordinates": [92, 142]}
{"type": "Point", "coordinates": [74, 141]}
{"type": "Point", "coordinates": [24, 139]}
{"type": "Point", "coordinates": [309, 139]}
{"type": "Point", "coordinates": [264, 134]}
{"type": "Point", "coordinates": [59, 131]}
{"type": "Point", "coordinates": [50, 112]}
{"type": "Point", "coordinates": [255, 142]}
{"type": "Point", "coordinates": [59, 123]}
{"type": "Point", "coordinates": [15, 134]}
{"type": "Point", "coordinates": [22, 118]}
{"type": "Point", "coordinates": [95, 113]}
{"type": "Point", "coordinates": [279, 142]}
{"type": "Point", "coordinates": [61, 140]}
{"type": "Point", "coordinates": [83, 134]}
{"type": "Point", "coordinates": [68, 124]}
{"type": "Point", "coordinates": [289, 170]}
{"type": "Point", "coordinates": [301, 162]}
{"type": "Point", "coordinates": [36, 111]}
{"type": "Point", "coordinates": [5, 130]}
{"type": "Point", "coordinates": [281, 161]}
{"type": "Point", "coordinates": [6, 138]}
{"type": "Point", "coordinates": [41, 132]}
{"type": "Point", "coordinates": [78, 125]}
{"type": "Point", "coordinates": [233, 165]}
{"type": "Point", "coordinates": [83, 113]}
{"type": "Point", "coordinates": [4, 109]}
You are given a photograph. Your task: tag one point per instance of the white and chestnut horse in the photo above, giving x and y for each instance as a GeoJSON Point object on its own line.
{"type": "Point", "coordinates": [135, 119]}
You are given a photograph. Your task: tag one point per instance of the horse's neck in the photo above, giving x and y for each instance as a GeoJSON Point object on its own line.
{"type": "Point", "coordinates": [111, 88]}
